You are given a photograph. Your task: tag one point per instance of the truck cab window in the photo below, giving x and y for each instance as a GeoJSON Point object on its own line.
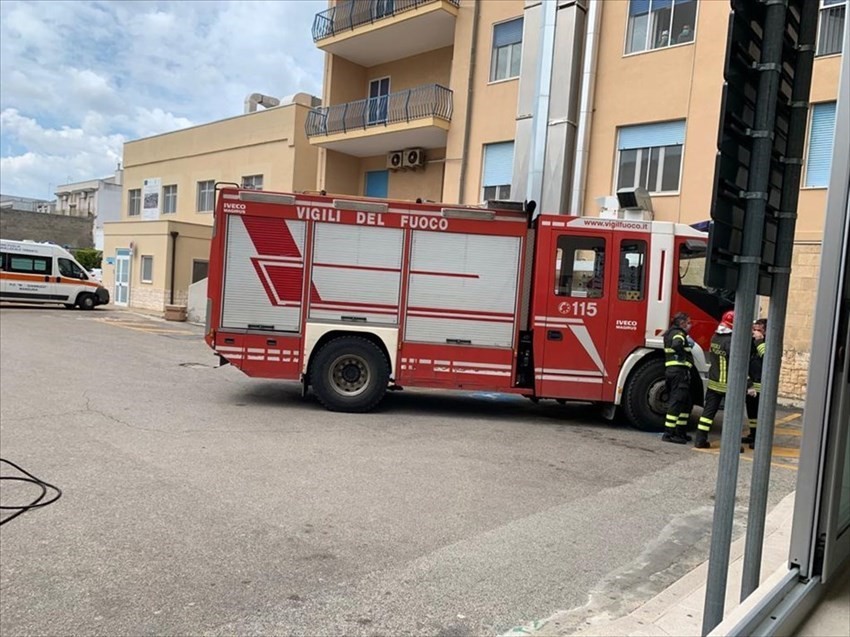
{"type": "Point", "coordinates": [71, 270]}
{"type": "Point", "coordinates": [692, 262]}
{"type": "Point", "coordinates": [632, 276]}
{"type": "Point", "coordinates": [580, 267]}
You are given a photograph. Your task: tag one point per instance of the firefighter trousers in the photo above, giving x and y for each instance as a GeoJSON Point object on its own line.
{"type": "Point", "coordinates": [753, 411]}
{"type": "Point", "coordinates": [679, 404]}
{"type": "Point", "coordinates": [713, 398]}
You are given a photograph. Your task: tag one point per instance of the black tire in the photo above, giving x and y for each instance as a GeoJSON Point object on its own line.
{"type": "Point", "coordinates": [350, 374]}
{"type": "Point", "coordinates": [645, 397]}
{"type": "Point", "coordinates": [87, 301]}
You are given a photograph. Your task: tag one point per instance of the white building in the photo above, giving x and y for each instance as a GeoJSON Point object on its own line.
{"type": "Point", "coordinates": [97, 198]}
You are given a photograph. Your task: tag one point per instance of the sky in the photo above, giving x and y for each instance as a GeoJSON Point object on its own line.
{"type": "Point", "coordinates": [78, 79]}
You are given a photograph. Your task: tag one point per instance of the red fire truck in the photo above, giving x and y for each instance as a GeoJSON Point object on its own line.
{"type": "Point", "coordinates": [355, 296]}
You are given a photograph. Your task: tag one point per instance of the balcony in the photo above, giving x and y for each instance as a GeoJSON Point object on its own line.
{"type": "Point", "coordinates": [370, 32]}
{"type": "Point", "coordinates": [418, 117]}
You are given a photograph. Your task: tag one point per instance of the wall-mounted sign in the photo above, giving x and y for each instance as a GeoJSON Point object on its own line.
{"type": "Point", "coordinates": [150, 198]}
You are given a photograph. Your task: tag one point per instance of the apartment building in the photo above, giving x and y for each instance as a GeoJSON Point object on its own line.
{"type": "Point", "coordinates": [98, 199]}
{"type": "Point", "coordinates": [160, 245]}
{"type": "Point", "coordinates": [437, 99]}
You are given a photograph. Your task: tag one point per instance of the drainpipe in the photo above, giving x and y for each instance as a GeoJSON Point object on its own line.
{"type": "Point", "coordinates": [588, 87]}
{"type": "Point", "coordinates": [476, 18]}
{"type": "Point", "coordinates": [174, 235]}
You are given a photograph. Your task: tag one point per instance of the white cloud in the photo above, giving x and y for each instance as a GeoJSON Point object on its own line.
{"type": "Point", "coordinates": [80, 78]}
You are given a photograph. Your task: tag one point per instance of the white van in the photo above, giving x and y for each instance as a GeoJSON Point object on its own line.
{"type": "Point", "coordinates": [46, 273]}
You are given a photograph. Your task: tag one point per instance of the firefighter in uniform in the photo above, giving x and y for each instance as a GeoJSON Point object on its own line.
{"type": "Point", "coordinates": [678, 363]}
{"type": "Point", "coordinates": [718, 377]}
{"type": "Point", "coordinates": [754, 385]}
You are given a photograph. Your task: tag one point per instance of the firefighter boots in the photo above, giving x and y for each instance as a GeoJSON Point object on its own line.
{"type": "Point", "coordinates": [750, 439]}
{"type": "Point", "coordinates": [702, 440]}
{"type": "Point", "coordinates": [673, 436]}
{"type": "Point", "coordinates": [682, 432]}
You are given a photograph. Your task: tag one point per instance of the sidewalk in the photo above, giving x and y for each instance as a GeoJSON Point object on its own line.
{"type": "Point", "coordinates": [677, 611]}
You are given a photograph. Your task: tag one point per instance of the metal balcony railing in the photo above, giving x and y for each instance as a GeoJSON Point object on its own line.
{"type": "Point", "coordinates": [350, 14]}
{"type": "Point", "coordinates": [431, 100]}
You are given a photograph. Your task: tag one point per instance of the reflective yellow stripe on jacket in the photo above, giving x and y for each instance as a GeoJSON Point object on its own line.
{"type": "Point", "coordinates": [671, 351]}
{"type": "Point", "coordinates": [721, 383]}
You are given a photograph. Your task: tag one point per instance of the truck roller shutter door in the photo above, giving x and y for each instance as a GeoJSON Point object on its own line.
{"type": "Point", "coordinates": [463, 289]}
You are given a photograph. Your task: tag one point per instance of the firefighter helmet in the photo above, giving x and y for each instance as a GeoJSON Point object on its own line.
{"type": "Point", "coordinates": [728, 319]}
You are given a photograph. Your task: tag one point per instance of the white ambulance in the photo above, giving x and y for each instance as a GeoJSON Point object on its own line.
{"type": "Point", "coordinates": [46, 273]}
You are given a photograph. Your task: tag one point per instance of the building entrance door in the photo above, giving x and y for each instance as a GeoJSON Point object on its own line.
{"type": "Point", "coordinates": [122, 278]}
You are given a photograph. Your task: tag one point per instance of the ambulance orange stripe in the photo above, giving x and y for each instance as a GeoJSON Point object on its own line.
{"type": "Point", "coordinates": [39, 278]}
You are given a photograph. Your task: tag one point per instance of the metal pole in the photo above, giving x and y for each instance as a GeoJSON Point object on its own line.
{"type": "Point", "coordinates": [541, 104]}
{"type": "Point", "coordinates": [748, 272]}
{"type": "Point", "coordinates": [779, 302]}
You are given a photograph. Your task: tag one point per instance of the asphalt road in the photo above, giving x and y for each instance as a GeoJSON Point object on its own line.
{"type": "Point", "coordinates": [197, 501]}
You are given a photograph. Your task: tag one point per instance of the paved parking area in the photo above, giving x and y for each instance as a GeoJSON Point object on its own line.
{"type": "Point", "coordinates": [197, 501]}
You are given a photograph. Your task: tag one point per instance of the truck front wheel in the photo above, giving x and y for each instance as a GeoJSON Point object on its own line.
{"type": "Point", "coordinates": [645, 396]}
{"type": "Point", "coordinates": [350, 374]}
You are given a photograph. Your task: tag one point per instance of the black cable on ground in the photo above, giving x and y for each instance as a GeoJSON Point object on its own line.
{"type": "Point", "coordinates": [32, 480]}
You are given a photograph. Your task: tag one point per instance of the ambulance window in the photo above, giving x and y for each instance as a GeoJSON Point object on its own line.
{"type": "Point", "coordinates": [632, 277]}
{"type": "Point", "coordinates": [580, 267]}
{"type": "Point", "coordinates": [71, 270]}
{"type": "Point", "coordinates": [29, 265]}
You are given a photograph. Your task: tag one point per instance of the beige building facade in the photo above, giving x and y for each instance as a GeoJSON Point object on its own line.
{"type": "Point", "coordinates": [438, 81]}
{"type": "Point", "coordinates": [160, 246]}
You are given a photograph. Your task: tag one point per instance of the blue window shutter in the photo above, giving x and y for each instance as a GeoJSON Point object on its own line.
{"type": "Point", "coordinates": [648, 135]}
{"type": "Point", "coordinates": [638, 7]}
{"type": "Point", "coordinates": [498, 164]}
{"type": "Point", "coordinates": [661, 4]}
{"type": "Point", "coordinates": [507, 33]}
{"type": "Point", "coordinates": [822, 132]}
{"type": "Point", "coordinates": [377, 183]}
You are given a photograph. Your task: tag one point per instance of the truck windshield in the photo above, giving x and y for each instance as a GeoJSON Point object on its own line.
{"type": "Point", "coordinates": [692, 260]}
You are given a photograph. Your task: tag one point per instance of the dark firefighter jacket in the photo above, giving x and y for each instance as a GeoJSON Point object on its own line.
{"type": "Point", "coordinates": [718, 359]}
{"type": "Point", "coordinates": [677, 348]}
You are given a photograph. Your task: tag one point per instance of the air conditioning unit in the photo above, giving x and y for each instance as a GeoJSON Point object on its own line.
{"type": "Point", "coordinates": [395, 159]}
{"type": "Point", "coordinates": [414, 157]}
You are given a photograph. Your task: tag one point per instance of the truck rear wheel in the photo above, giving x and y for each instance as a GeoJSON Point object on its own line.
{"type": "Point", "coordinates": [645, 396]}
{"type": "Point", "coordinates": [350, 374]}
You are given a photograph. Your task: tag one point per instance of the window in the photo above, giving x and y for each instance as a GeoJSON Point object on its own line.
{"type": "Point", "coordinates": [650, 156]}
{"type": "Point", "coordinates": [831, 26]}
{"type": "Point", "coordinates": [29, 265]}
{"type": "Point", "coordinates": [169, 199]}
{"type": "Point", "coordinates": [379, 100]}
{"type": "Point", "coordinates": [821, 131]}
{"type": "Point", "coordinates": [134, 202]}
{"type": "Point", "coordinates": [200, 270]}
{"type": "Point", "coordinates": [498, 170]}
{"type": "Point", "coordinates": [147, 269]}
{"type": "Point", "coordinates": [507, 50]}
{"type": "Point", "coordinates": [632, 277]}
{"type": "Point", "coordinates": [252, 182]}
{"type": "Point", "coordinates": [658, 24]}
{"type": "Point", "coordinates": [580, 267]}
{"type": "Point", "coordinates": [206, 196]}
{"type": "Point", "coordinates": [68, 268]}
